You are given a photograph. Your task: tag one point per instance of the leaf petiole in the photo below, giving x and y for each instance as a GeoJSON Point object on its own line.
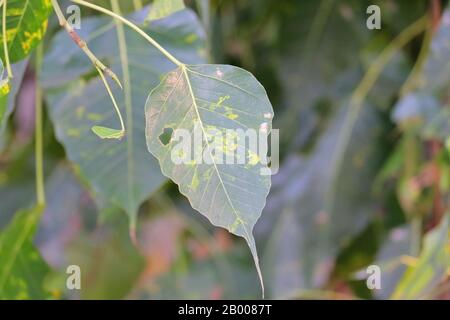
{"type": "Point", "coordinates": [104, 132]}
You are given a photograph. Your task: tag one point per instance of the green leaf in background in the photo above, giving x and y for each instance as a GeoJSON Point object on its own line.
{"type": "Point", "coordinates": [26, 23]}
{"type": "Point", "coordinates": [436, 73]}
{"type": "Point", "coordinates": [22, 270]}
{"type": "Point", "coordinates": [7, 101]}
{"type": "Point", "coordinates": [426, 105]}
{"type": "Point", "coordinates": [111, 264]}
{"type": "Point", "coordinates": [163, 8]}
{"type": "Point", "coordinates": [120, 171]}
{"type": "Point", "coordinates": [4, 85]}
{"type": "Point", "coordinates": [297, 215]}
{"type": "Point", "coordinates": [5, 88]}
{"type": "Point", "coordinates": [213, 97]}
{"type": "Point", "coordinates": [431, 266]}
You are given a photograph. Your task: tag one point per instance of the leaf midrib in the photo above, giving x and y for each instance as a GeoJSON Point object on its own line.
{"type": "Point", "coordinates": [185, 69]}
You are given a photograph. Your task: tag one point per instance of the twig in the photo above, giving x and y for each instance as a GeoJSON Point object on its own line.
{"type": "Point", "coordinates": [132, 26]}
{"type": "Point", "coordinates": [82, 44]}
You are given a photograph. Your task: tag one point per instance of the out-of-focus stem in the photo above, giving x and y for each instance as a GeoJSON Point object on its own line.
{"type": "Point", "coordinates": [39, 149]}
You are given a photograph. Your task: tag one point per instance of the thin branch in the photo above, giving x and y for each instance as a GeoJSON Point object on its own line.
{"type": "Point", "coordinates": [82, 44]}
{"type": "Point", "coordinates": [132, 26]}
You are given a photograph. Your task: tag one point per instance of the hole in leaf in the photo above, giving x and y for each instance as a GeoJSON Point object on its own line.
{"type": "Point", "coordinates": [165, 136]}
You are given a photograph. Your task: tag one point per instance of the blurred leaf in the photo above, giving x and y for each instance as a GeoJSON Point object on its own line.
{"type": "Point", "coordinates": [209, 100]}
{"type": "Point", "coordinates": [110, 264]}
{"type": "Point", "coordinates": [4, 86]}
{"type": "Point", "coordinates": [390, 260]}
{"type": "Point", "coordinates": [296, 215]}
{"type": "Point", "coordinates": [123, 172]}
{"type": "Point", "coordinates": [22, 270]}
{"type": "Point", "coordinates": [26, 23]}
{"type": "Point", "coordinates": [69, 212]}
{"type": "Point", "coordinates": [424, 104]}
{"type": "Point", "coordinates": [431, 266]}
{"type": "Point", "coordinates": [163, 8]}
{"type": "Point", "coordinates": [7, 101]}
{"type": "Point", "coordinates": [436, 78]}
{"type": "Point", "coordinates": [415, 107]}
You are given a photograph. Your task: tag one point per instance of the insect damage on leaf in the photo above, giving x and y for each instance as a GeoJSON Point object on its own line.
{"type": "Point", "coordinates": [214, 101]}
{"type": "Point", "coordinates": [26, 23]}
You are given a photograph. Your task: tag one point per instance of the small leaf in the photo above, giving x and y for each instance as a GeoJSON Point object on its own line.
{"type": "Point", "coordinates": [22, 269]}
{"type": "Point", "coordinates": [26, 23]}
{"type": "Point", "coordinates": [163, 8]}
{"type": "Point", "coordinates": [218, 97]}
{"type": "Point", "coordinates": [108, 133]}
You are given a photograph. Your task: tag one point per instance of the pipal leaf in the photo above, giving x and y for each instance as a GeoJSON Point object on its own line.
{"type": "Point", "coordinates": [22, 269]}
{"type": "Point", "coordinates": [163, 8]}
{"type": "Point", "coordinates": [122, 172]}
{"type": "Point", "coordinates": [216, 98]}
{"type": "Point", "coordinates": [26, 23]}
{"type": "Point", "coordinates": [108, 133]}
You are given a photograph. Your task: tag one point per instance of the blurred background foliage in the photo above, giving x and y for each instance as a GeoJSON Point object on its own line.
{"type": "Point", "coordinates": [341, 202]}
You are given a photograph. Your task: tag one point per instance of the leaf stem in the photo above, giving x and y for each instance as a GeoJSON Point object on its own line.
{"type": "Point", "coordinates": [39, 152]}
{"type": "Point", "coordinates": [116, 107]}
{"type": "Point", "coordinates": [5, 40]}
{"type": "Point", "coordinates": [132, 26]}
{"type": "Point", "coordinates": [82, 44]}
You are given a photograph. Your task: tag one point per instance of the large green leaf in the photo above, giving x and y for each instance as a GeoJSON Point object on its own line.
{"type": "Point", "coordinates": [123, 171]}
{"type": "Point", "coordinates": [431, 267]}
{"type": "Point", "coordinates": [26, 23]}
{"type": "Point", "coordinates": [22, 270]}
{"type": "Point", "coordinates": [213, 98]}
